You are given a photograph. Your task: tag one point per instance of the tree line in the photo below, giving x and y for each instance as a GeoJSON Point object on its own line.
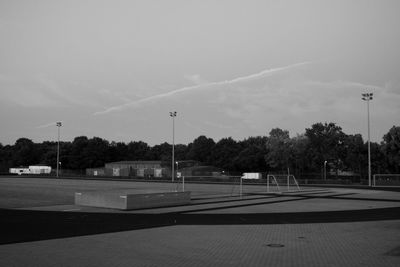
{"type": "Point", "coordinates": [275, 152]}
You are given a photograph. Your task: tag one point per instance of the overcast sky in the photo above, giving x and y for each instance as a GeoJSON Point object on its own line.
{"type": "Point", "coordinates": [114, 69]}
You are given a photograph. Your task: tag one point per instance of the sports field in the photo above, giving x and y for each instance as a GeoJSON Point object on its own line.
{"type": "Point", "coordinates": [313, 227]}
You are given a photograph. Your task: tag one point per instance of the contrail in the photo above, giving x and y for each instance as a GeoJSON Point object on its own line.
{"type": "Point", "coordinates": [195, 87]}
{"type": "Point", "coordinates": [46, 125]}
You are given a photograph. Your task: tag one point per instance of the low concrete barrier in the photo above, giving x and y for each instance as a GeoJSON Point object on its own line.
{"type": "Point", "coordinates": [124, 200]}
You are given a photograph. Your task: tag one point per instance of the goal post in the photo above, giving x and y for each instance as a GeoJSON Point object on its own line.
{"type": "Point", "coordinates": [380, 179]}
{"type": "Point", "coordinates": [221, 185]}
{"type": "Point", "coordinates": [233, 186]}
{"type": "Point", "coordinates": [282, 183]}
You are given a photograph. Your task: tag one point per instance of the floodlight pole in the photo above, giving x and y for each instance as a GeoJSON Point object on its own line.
{"type": "Point", "coordinates": [367, 97]}
{"type": "Point", "coordinates": [58, 124]}
{"type": "Point", "coordinates": [183, 177]}
{"type": "Point", "coordinates": [241, 187]}
{"type": "Point", "coordinates": [173, 115]}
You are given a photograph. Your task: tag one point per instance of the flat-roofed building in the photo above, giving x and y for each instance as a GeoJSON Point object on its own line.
{"type": "Point", "coordinates": [135, 169]}
{"type": "Point", "coordinates": [95, 171]}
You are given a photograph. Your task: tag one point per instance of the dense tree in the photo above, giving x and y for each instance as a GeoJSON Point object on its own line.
{"type": "Point", "coordinates": [251, 156]}
{"type": "Point", "coordinates": [391, 149]}
{"type": "Point", "coordinates": [181, 152]}
{"type": "Point", "coordinates": [65, 155]}
{"type": "Point", "coordinates": [299, 162]}
{"type": "Point", "coordinates": [355, 157]}
{"type": "Point", "coordinates": [274, 153]}
{"type": "Point", "coordinates": [201, 149]}
{"type": "Point", "coordinates": [161, 152]}
{"type": "Point", "coordinates": [77, 153]}
{"type": "Point", "coordinates": [25, 152]}
{"type": "Point", "coordinates": [379, 163]}
{"type": "Point", "coordinates": [48, 152]}
{"type": "Point", "coordinates": [138, 150]}
{"type": "Point", "coordinates": [4, 158]}
{"type": "Point", "coordinates": [259, 141]}
{"type": "Point", "coordinates": [326, 143]}
{"type": "Point", "coordinates": [96, 152]}
{"type": "Point", "coordinates": [224, 153]}
{"type": "Point", "coordinates": [251, 159]}
{"type": "Point", "coordinates": [118, 151]}
{"type": "Point", "coordinates": [279, 150]}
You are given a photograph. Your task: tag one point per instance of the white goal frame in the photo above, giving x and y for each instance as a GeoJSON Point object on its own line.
{"type": "Point", "coordinates": [272, 177]}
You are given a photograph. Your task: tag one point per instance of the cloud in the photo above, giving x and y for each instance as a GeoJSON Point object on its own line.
{"type": "Point", "coordinates": [195, 78]}
{"type": "Point", "coordinates": [32, 91]}
{"type": "Point", "coordinates": [68, 93]}
{"type": "Point", "coordinates": [393, 87]}
{"type": "Point", "coordinates": [247, 78]}
{"type": "Point", "coordinates": [289, 101]}
{"type": "Point", "coordinates": [41, 90]}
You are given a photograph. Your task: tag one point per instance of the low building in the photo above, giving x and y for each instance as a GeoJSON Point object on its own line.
{"type": "Point", "coordinates": [135, 169]}
{"type": "Point", "coordinates": [95, 172]}
{"type": "Point", "coordinates": [205, 171]}
{"type": "Point", "coordinates": [154, 168]}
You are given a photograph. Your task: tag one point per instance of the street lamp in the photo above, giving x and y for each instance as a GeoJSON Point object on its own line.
{"type": "Point", "coordinates": [325, 169]}
{"type": "Point", "coordinates": [58, 124]}
{"type": "Point", "coordinates": [173, 115]}
{"type": "Point", "coordinates": [367, 97]}
{"type": "Point", "coordinates": [180, 176]}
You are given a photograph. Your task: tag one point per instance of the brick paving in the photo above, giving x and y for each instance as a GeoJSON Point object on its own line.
{"type": "Point", "coordinates": [330, 244]}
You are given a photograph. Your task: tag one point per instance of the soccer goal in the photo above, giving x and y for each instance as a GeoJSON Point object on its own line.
{"type": "Point", "coordinates": [209, 185]}
{"type": "Point", "coordinates": [386, 179]}
{"type": "Point", "coordinates": [282, 183]}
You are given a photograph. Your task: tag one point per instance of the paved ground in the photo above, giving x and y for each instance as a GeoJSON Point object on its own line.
{"type": "Point", "coordinates": [41, 226]}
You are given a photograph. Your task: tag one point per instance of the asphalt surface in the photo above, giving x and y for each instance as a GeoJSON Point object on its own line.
{"type": "Point", "coordinates": [36, 213]}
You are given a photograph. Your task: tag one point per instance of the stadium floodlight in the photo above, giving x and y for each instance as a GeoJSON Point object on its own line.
{"type": "Point", "coordinates": [58, 124]}
{"type": "Point", "coordinates": [367, 97]}
{"type": "Point", "coordinates": [173, 115]}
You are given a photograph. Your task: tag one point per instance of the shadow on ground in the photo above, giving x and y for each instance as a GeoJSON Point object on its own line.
{"type": "Point", "coordinates": [26, 225]}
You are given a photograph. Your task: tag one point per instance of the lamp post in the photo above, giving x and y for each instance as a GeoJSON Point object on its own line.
{"type": "Point", "coordinates": [325, 169]}
{"type": "Point", "coordinates": [173, 115]}
{"type": "Point", "coordinates": [367, 97]}
{"type": "Point", "coordinates": [58, 124]}
{"type": "Point", "coordinates": [180, 176]}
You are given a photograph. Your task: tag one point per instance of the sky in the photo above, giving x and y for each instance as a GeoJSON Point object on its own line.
{"type": "Point", "coordinates": [115, 69]}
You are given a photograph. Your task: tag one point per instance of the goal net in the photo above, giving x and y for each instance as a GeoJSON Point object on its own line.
{"type": "Point", "coordinates": [223, 186]}
{"type": "Point", "coordinates": [282, 183]}
{"type": "Point", "coordinates": [234, 186]}
{"type": "Point", "coordinates": [208, 185]}
{"type": "Point", "coordinates": [386, 179]}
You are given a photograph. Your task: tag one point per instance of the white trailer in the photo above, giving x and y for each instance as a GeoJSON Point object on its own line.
{"type": "Point", "coordinates": [252, 175]}
{"type": "Point", "coordinates": [39, 169]}
{"type": "Point", "coordinates": [20, 170]}
{"type": "Point", "coordinates": [34, 169]}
